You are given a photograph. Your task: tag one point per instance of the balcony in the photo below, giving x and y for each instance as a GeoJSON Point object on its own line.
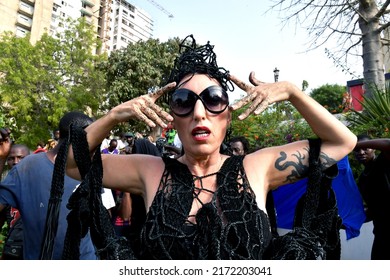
{"type": "Point", "coordinates": [88, 3]}
{"type": "Point", "coordinates": [23, 23]}
{"type": "Point", "coordinates": [26, 11]}
{"type": "Point", "coordinates": [31, 2]}
{"type": "Point", "coordinates": [86, 12]}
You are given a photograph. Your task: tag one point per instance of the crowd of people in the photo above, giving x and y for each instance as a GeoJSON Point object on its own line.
{"type": "Point", "coordinates": [199, 202]}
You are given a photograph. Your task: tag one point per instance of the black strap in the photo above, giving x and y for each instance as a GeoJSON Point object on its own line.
{"type": "Point", "coordinates": [87, 212]}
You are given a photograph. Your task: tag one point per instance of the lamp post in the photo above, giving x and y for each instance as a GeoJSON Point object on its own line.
{"type": "Point", "coordinates": [276, 74]}
{"type": "Point", "coordinates": [276, 78]}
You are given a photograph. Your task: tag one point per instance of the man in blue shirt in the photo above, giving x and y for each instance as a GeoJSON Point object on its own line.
{"type": "Point", "coordinates": [27, 187]}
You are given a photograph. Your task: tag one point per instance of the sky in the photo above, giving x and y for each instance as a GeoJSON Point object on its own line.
{"type": "Point", "coordinates": [247, 37]}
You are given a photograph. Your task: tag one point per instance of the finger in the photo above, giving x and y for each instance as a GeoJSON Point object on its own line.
{"type": "Point", "coordinates": [253, 79]}
{"type": "Point", "coordinates": [152, 115]}
{"type": "Point", "coordinates": [250, 109]}
{"type": "Point", "coordinates": [263, 105]}
{"type": "Point", "coordinates": [157, 94]}
{"type": "Point", "coordinates": [160, 112]}
{"type": "Point", "coordinates": [242, 102]}
{"type": "Point", "coordinates": [143, 118]}
{"type": "Point", "coordinates": [242, 85]}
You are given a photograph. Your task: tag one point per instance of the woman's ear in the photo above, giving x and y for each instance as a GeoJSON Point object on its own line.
{"type": "Point", "coordinates": [229, 118]}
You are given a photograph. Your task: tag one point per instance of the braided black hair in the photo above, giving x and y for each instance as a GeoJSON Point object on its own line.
{"type": "Point", "coordinates": [195, 59]}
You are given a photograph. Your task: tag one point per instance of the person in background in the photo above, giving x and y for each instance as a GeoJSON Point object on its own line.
{"type": "Point", "coordinates": [56, 135]}
{"type": "Point", "coordinates": [27, 187]}
{"type": "Point", "coordinates": [239, 145]}
{"type": "Point", "coordinates": [112, 148]}
{"type": "Point", "coordinates": [13, 246]}
{"type": "Point", "coordinates": [151, 139]}
{"type": "Point", "coordinates": [374, 185]}
{"type": "Point", "coordinates": [129, 143]}
{"type": "Point", "coordinates": [204, 204]}
{"type": "Point", "coordinates": [17, 153]}
{"type": "Point", "coordinates": [106, 142]}
{"type": "Point", "coordinates": [52, 142]}
{"type": "Point", "coordinates": [121, 141]}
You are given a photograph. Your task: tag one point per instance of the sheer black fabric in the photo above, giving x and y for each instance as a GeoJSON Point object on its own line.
{"type": "Point", "coordinates": [231, 226]}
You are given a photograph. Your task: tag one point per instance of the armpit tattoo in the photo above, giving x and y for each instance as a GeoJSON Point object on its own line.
{"type": "Point", "coordinates": [299, 169]}
{"type": "Point", "coordinates": [326, 161]}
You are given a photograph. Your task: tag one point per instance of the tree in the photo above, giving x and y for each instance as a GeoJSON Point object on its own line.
{"type": "Point", "coordinates": [354, 25]}
{"type": "Point", "coordinates": [270, 128]}
{"type": "Point", "coordinates": [41, 82]}
{"type": "Point", "coordinates": [137, 69]}
{"type": "Point", "coordinates": [330, 96]}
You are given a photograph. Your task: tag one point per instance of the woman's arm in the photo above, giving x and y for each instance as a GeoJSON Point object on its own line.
{"type": "Point", "coordinates": [142, 108]}
{"type": "Point", "coordinates": [288, 163]}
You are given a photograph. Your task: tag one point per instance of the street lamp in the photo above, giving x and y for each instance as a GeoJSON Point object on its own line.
{"type": "Point", "coordinates": [276, 74]}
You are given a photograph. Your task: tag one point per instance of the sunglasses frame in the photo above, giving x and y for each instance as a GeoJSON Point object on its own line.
{"type": "Point", "coordinates": [200, 97]}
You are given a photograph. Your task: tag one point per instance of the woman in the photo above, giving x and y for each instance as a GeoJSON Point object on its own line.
{"type": "Point", "coordinates": [206, 205]}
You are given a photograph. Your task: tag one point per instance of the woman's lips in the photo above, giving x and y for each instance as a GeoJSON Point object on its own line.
{"type": "Point", "coordinates": [200, 133]}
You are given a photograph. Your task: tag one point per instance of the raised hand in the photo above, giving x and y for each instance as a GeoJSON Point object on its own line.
{"type": "Point", "coordinates": [144, 108]}
{"type": "Point", "coordinates": [260, 94]}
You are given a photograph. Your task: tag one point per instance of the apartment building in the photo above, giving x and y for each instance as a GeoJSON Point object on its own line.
{"type": "Point", "coordinates": [117, 22]}
{"type": "Point", "coordinates": [129, 24]}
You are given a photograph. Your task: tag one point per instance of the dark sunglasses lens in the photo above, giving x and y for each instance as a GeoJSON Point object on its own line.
{"type": "Point", "coordinates": [216, 99]}
{"type": "Point", "coordinates": [182, 102]}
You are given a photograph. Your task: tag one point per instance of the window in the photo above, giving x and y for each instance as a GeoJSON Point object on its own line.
{"type": "Point", "coordinates": [24, 5]}
{"type": "Point", "coordinates": [25, 19]}
{"type": "Point", "coordinates": [20, 32]}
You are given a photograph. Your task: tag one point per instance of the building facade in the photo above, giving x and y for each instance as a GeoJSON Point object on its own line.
{"type": "Point", "coordinates": [129, 24]}
{"type": "Point", "coordinates": [117, 22]}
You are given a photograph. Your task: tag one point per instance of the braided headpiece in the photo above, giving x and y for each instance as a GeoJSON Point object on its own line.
{"type": "Point", "coordinates": [195, 59]}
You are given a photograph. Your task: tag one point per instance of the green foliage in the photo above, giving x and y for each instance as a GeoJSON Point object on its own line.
{"type": "Point", "coordinates": [3, 235]}
{"type": "Point", "coordinates": [41, 82]}
{"type": "Point", "coordinates": [305, 85]}
{"type": "Point", "coordinates": [374, 120]}
{"type": "Point", "coordinates": [330, 96]}
{"type": "Point", "coordinates": [273, 127]}
{"type": "Point", "coordinates": [137, 69]}
{"type": "Point", "coordinates": [281, 123]}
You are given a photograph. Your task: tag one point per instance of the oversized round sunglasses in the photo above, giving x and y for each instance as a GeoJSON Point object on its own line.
{"type": "Point", "coordinates": [214, 99]}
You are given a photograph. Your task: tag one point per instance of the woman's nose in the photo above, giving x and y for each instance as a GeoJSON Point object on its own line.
{"type": "Point", "coordinates": [199, 110]}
